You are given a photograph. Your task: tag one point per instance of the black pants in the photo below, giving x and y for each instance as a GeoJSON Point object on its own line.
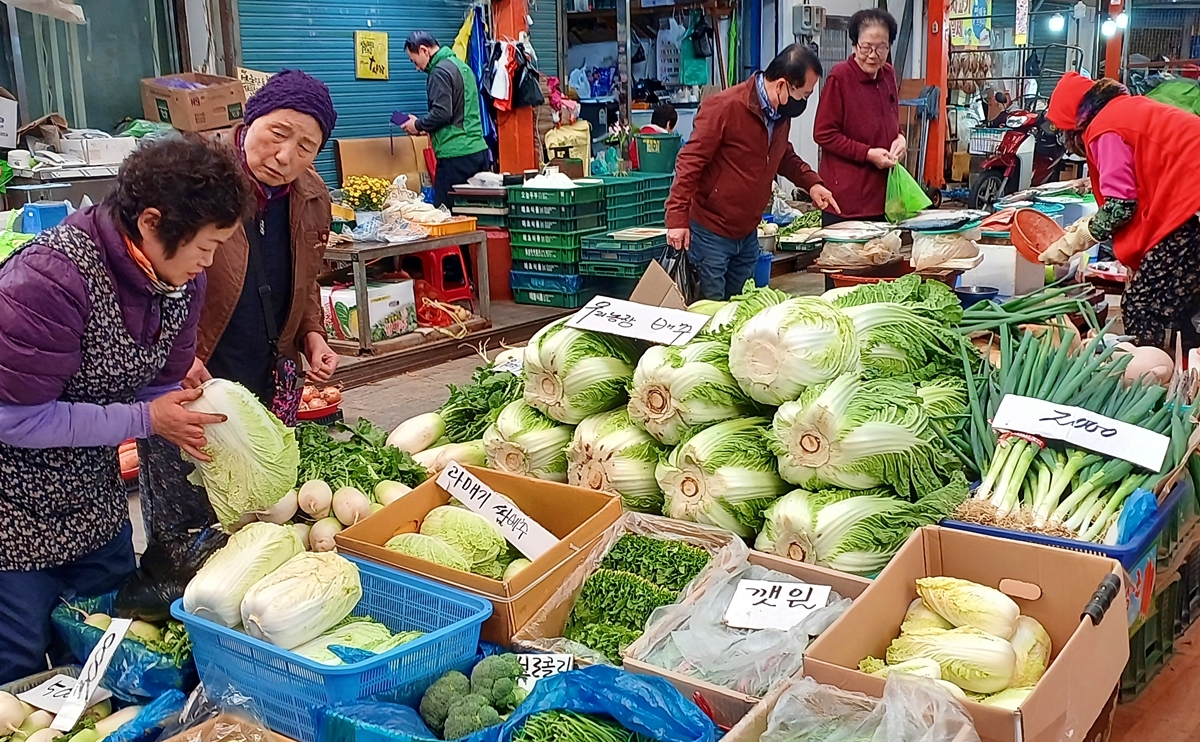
{"type": "Point", "coordinates": [452, 171]}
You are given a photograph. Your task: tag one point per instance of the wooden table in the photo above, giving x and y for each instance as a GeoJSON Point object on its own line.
{"type": "Point", "coordinates": [359, 254]}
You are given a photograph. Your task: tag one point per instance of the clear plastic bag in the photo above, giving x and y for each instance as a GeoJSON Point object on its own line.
{"type": "Point", "coordinates": [879, 251]}
{"type": "Point", "coordinates": [912, 709]}
{"type": "Point", "coordinates": [209, 715]}
{"type": "Point", "coordinates": [955, 250]}
{"type": "Point", "coordinates": [543, 632]}
{"type": "Point", "coordinates": [691, 637]}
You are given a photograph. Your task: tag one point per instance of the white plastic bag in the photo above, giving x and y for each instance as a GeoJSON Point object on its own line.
{"type": "Point", "coordinates": [578, 79]}
{"type": "Point", "coordinates": [879, 251]}
{"type": "Point", "coordinates": [956, 251]}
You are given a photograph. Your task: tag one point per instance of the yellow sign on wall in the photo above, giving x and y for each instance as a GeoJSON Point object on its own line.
{"type": "Point", "coordinates": [252, 80]}
{"type": "Point", "coordinates": [371, 55]}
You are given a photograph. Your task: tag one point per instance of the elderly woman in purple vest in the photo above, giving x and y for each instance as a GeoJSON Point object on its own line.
{"type": "Point", "coordinates": [97, 330]}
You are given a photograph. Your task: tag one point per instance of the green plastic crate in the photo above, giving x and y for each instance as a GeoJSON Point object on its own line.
{"type": "Point", "coordinates": [539, 266]}
{"type": "Point", "coordinates": [617, 288]}
{"type": "Point", "coordinates": [545, 254]}
{"type": "Point", "coordinates": [546, 225]}
{"type": "Point", "coordinates": [633, 221]}
{"type": "Point", "coordinates": [620, 213]}
{"type": "Point", "coordinates": [557, 211]}
{"type": "Point", "coordinates": [554, 299]}
{"type": "Point", "coordinates": [608, 241]}
{"type": "Point", "coordinates": [1152, 646]}
{"type": "Point", "coordinates": [569, 241]}
{"type": "Point", "coordinates": [614, 270]}
{"type": "Point", "coordinates": [616, 185]}
{"type": "Point", "coordinates": [561, 196]}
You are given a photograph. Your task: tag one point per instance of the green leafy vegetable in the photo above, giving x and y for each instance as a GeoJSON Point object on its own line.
{"type": "Point", "coordinates": [472, 407]}
{"type": "Point", "coordinates": [420, 546]}
{"type": "Point", "coordinates": [360, 459]}
{"type": "Point", "coordinates": [569, 726]}
{"type": "Point", "coordinates": [669, 564]}
{"type": "Point", "coordinates": [524, 441]}
{"type": "Point", "coordinates": [472, 535]}
{"type": "Point", "coordinates": [618, 599]}
{"type": "Point", "coordinates": [609, 641]}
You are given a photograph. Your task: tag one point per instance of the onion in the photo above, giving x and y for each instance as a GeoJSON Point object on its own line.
{"type": "Point", "coordinates": [315, 498]}
{"type": "Point", "coordinates": [320, 537]}
{"type": "Point", "coordinates": [1154, 365]}
{"type": "Point", "coordinates": [350, 505]}
{"type": "Point", "coordinates": [387, 491]}
{"type": "Point", "coordinates": [282, 511]}
{"type": "Point", "coordinates": [302, 530]}
{"type": "Point", "coordinates": [308, 393]}
{"type": "Point", "coordinates": [316, 403]}
{"type": "Point", "coordinates": [331, 394]}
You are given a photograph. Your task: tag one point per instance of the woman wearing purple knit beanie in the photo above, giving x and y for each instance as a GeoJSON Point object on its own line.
{"type": "Point", "coordinates": [262, 323]}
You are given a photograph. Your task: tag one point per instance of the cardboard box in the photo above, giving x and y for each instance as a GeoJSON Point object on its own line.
{"type": "Point", "coordinates": [99, 151]}
{"type": "Point", "coordinates": [729, 706]}
{"type": "Point", "coordinates": [1051, 585]}
{"type": "Point", "coordinates": [575, 515]}
{"type": "Point", "coordinates": [218, 104]}
{"type": "Point", "coordinates": [392, 308]}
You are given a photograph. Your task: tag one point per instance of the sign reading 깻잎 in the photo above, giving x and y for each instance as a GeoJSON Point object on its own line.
{"type": "Point", "coordinates": [639, 321]}
{"type": "Point", "coordinates": [764, 604]}
{"type": "Point", "coordinates": [523, 532]}
{"type": "Point", "coordinates": [1083, 429]}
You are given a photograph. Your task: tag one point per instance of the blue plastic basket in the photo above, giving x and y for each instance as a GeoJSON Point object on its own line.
{"type": "Point", "coordinates": [287, 688]}
{"type": "Point", "coordinates": [762, 269]}
{"type": "Point", "coordinates": [562, 283]}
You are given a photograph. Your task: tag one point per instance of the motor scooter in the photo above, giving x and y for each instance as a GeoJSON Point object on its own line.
{"type": "Point", "coordinates": [1028, 152]}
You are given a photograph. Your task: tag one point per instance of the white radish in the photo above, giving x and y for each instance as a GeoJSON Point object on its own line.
{"type": "Point", "coordinates": [320, 537]}
{"type": "Point", "coordinates": [302, 530]}
{"type": "Point", "coordinates": [110, 724]}
{"type": "Point", "coordinates": [508, 354]}
{"type": "Point", "coordinates": [44, 735]}
{"type": "Point", "coordinates": [11, 713]}
{"type": "Point", "coordinates": [375, 508]}
{"type": "Point", "coordinates": [36, 721]}
{"type": "Point", "coordinates": [388, 491]}
{"type": "Point", "coordinates": [417, 433]}
{"type": "Point", "coordinates": [429, 459]}
{"type": "Point", "coordinates": [315, 498]}
{"type": "Point", "coordinates": [282, 511]}
{"type": "Point", "coordinates": [434, 460]}
{"type": "Point", "coordinates": [350, 505]}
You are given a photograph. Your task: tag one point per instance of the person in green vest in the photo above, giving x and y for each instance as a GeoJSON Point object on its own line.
{"type": "Point", "coordinates": [452, 123]}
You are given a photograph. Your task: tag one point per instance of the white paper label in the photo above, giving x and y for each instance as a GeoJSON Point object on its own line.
{"type": "Point", "coordinates": [1082, 429]}
{"type": "Point", "coordinates": [513, 365]}
{"type": "Point", "coordinates": [640, 321]}
{"type": "Point", "coordinates": [762, 604]}
{"type": "Point", "coordinates": [52, 694]}
{"type": "Point", "coordinates": [89, 678]}
{"type": "Point", "coordinates": [538, 666]}
{"type": "Point", "coordinates": [523, 532]}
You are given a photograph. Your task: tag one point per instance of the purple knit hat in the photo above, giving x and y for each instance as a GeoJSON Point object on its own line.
{"type": "Point", "coordinates": [296, 91]}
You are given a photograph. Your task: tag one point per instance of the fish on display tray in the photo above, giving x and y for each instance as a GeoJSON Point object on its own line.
{"type": "Point", "coordinates": [802, 236]}
{"type": "Point", "coordinates": [938, 220]}
{"type": "Point", "coordinates": [1080, 187]}
{"type": "Point", "coordinates": [851, 232]}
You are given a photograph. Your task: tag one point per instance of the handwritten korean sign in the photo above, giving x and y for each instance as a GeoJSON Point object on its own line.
{"type": "Point", "coordinates": [1083, 429]}
{"type": "Point", "coordinates": [513, 365]}
{"type": "Point", "coordinates": [371, 55]}
{"type": "Point", "coordinates": [90, 676]}
{"type": "Point", "coordinates": [538, 666]}
{"type": "Point", "coordinates": [252, 80]}
{"type": "Point", "coordinates": [50, 695]}
{"type": "Point", "coordinates": [763, 604]}
{"type": "Point", "coordinates": [523, 532]}
{"type": "Point", "coordinates": [640, 321]}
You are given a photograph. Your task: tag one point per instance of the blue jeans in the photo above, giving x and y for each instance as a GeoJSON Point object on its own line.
{"type": "Point", "coordinates": [724, 264]}
{"type": "Point", "coordinates": [26, 599]}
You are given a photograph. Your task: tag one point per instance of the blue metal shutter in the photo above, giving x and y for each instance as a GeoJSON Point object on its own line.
{"type": "Point", "coordinates": [544, 34]}
{"type": "Point", "coordinates": [317, 36]}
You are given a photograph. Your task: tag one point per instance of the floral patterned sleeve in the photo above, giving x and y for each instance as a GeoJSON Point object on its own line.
{"type": "Point", "coordinates": [1114, 214]}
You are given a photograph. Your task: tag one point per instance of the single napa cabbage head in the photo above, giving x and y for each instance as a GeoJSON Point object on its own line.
{"type": "Point", "coordinates": [254, 456]}
{"type": "Point", "coordinates": [471, 535]}
{"type": "Point", "coordinates": [366, 635]}
{"type": "Point", "coordinates": [966, 603]}
{"type": "Point", "coordinates": [301, 600]}
{"type": "Point", "coordinates": [526, 442]}
{"type": "Point", "coordinates": [570, 374]}
{"type": "Point", "coordinates": [430, 549]}
{"type": "Point", "coordinates": [1032, 645]}
{"type": "Point", "coordinates": [920, 616]}
{"type": "Point", "coordinates": [919, 666]}
{"type": "Point", "coordinates": [609, 453]}
{"type": "Point", "coordinates": [974, 660]}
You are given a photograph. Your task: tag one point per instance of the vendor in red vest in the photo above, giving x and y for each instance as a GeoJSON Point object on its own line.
{"type": "Point", "coordinates": [1141, 157]}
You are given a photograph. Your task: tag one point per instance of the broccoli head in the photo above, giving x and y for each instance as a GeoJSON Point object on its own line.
{"type": "Point", "coordinates": [495, 678]}
{"type": "Point", "coordinates": [469, 715]}
{"type": "Point", "coordinates": [446, 691]}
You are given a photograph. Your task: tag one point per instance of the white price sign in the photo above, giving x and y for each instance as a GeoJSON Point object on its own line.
{"type": "Point", "coordinates": [640, 321]}
{"type": "Point", "coordinates": [763, 604]}
{"type": "Point", "coordinates": [1082, 429]}
{"type": "Point", "coordinates": [523, 532]}
{"type": "Point", "coordinates": [513, 365]}
{"type": "Point", "coordinates": [538, 666]}
{"type": "Point", "coordinates": [93, 671]}
{"type": "Point", "coordinates": [50, 695]}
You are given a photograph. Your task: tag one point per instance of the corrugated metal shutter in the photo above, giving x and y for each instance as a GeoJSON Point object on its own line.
{"type": "Point", "coordinates": [317, 36]}
{"type": "Point", "coordinates": [544, 34]}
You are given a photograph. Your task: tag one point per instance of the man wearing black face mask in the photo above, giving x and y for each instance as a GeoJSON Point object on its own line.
{"type": "Point", "coordinates": [723, 176]}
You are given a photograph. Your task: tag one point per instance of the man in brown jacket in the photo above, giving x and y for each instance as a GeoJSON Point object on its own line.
{"type": "Point", "coordinates": [724, 174]}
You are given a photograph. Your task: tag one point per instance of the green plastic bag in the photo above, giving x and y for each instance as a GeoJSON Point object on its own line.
{"type": "Point", "coordinates": [905, 197]}
{"type": "Point", "coordinates": [693, 70]}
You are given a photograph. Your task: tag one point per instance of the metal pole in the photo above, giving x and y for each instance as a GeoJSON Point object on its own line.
{"type": "Point", "coordinates": [624, 64]}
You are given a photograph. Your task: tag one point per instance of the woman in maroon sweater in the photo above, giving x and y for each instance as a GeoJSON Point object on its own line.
{"type": "Point", "coordinates": [858, 121]}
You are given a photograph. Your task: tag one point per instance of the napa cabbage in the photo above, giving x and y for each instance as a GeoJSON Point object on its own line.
{"type": "Point", "coordinates": [610, 454]}
{"type": "Point", "coordinates": [255, 551]}
{"type": "Point", "coordinates": [732, 314]}
{"type": "Point", "coordinates": [254, 456]}
{"type": "Point", "coordinates": [301, 600]}
{"type": "Point", "coordinates": [974, 660]}
{"type": "Point", "coordinates": [966, 603]}
{"type": "Point", "coordinates": [471, 534]}
{"type": "Point", "coordinates": [724, 476]}
{"type": "Point", "coordinates": [784, 349]}
{"type": "Point", "coordinates": [360, 634]}
{"type": "Point", "coordinates": [570, 374]}
{"type": "Point", "coordinates": [1031, 642]}
{"type": "Point", "coordinates": [920, 616]}
{"type": "Point", "coordinates": [858, 434]}
{"type": "Point", "coordinates": [420, 546]}
{"type": "Point", "coordinates": [849, 530]}
{"type": "Point", "coordinates": [524, 441]}
{"type": "Point", "coordinates": [678, 390]}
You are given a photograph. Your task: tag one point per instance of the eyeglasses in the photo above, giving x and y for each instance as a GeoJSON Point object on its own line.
{"type": "Point", "coordinates": [880, 50]}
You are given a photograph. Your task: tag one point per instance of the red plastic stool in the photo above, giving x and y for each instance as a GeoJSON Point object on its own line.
{"type": "Point", "coordinates": [434, 266]}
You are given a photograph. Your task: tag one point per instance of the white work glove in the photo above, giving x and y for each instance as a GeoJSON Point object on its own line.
{"type": "Point", "coordinates": [1077, 239]}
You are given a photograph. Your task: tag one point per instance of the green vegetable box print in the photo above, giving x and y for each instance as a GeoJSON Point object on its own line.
{"type": "Point", "coordinates": [393, 311]}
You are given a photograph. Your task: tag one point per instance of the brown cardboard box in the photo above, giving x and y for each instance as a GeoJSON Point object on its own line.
{"type": "Point", "coordinates": [576, 515]}
{"type": "Point", "coordinates": [960, 167]}
{"type": "Point", "coordinates": [1051, 585]}
{"type": "Point", "coordinates": [383, 157]}
{"type": "Point", "coordinates": [217, 105]}
{"type": "Point", "coordinates": [728, 706]}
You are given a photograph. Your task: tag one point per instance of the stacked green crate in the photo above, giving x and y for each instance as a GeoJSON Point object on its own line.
{"type": "Point", "coordinates": [547, 229]}
{"type": "Point", "coordinates": [623, 197]}
{"type": "Point", "coordinates": [655, 190]}
{"type": "Point", "coordinates": [618, 259]}
{"type": "Point", "coordinates": [489, 208]}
